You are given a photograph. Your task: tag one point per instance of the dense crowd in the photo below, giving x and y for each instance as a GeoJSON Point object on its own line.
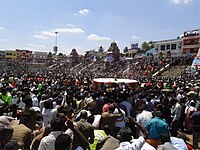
{"type": "Point", "coordinates": [58, 110]}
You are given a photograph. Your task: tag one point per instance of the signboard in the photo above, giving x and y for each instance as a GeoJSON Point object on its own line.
{"type": "Point", "coordinates": [134, 46]}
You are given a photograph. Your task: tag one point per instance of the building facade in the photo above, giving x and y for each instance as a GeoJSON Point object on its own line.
{"type": "Point", "coordinates": [24, 55]}
{"type": "Point", "coordinates": [131, 53]}
{"type": "Point", "coordinates": [2, 55]}
{"type": "Point", "coordinates": [191, 40]}
{"type": "Point", "coordinates": [40, 57]}
{"type": "Point", "coordinates": [11, 55]}
{"type": "Point", "coordinates": [169, 48]}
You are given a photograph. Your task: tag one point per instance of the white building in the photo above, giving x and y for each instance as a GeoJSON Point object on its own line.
{"type": "Point", "coordinates": [40, 57]}
{"type": "Point", "coordinates": [174, 46]}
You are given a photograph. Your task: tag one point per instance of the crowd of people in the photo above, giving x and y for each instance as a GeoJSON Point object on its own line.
{"type": "Point", "coordinates": [58, 110]}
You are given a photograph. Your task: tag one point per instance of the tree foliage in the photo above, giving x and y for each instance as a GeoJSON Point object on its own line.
{"type": "Point", "coordinates": [147, 45]}
{"type": "Point", "coordinates": [125, 49]}
{"type": "Point", "coordinates": [100, 49]}
{"type": "Point", "coordinates": [50, 55]}
{"type": "Point", "coordinates": [60, 54]}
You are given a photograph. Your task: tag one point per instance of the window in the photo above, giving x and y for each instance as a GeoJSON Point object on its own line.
{"type": "Point", "coordinates": [173, 46]}
{"type": "Point", "coordinates": [162, 48]}
{"type": "Point", "coordinates": [194, 50]}
{"type": "Point", "coordinates": [168, 47]}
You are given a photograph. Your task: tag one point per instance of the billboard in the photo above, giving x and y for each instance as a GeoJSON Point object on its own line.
{"type": "Point", "coordinates": [135, 45]}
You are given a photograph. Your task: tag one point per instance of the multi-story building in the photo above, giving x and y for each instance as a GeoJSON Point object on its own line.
{"type": "Point", "coordinates": [90, 56]}
{"type": "Point", "coordinates": [2, 55]}
{"type": "Point", "coordinates": [131, 53]}
{"type": "Point", "coordinates": [11, 55]}
{"type": "Point", "coordinates": [24, 55]}
{"type": "Point", "coordinates": [40, 57]}
{"type": "Point", "coordinates": [191, 40]}
{"type": "Point", "coordinates": [170, 48]}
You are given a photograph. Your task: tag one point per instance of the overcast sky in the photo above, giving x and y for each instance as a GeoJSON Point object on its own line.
{"type": "Point", "coordinates": [87, 24]}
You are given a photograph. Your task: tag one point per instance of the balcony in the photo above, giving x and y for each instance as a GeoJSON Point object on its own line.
{"type": "Point", "coordinates": [191, 46]}
{"type": "Point", "coordinates": [191, 37]}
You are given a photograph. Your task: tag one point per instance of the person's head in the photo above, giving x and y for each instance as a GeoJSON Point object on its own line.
{"type": "Point", "coordinates": [148, 99]}
{"type": "Point", "coordinates": [164, 138]}
{"type": "Point", "coordinates": [27, 100]}
{"type": "Point", "coordinates": [125, 134]}
{"type": "Point", "coordinates": [48, 104]}
{"type": "Point", "coordinates": [12, 145]}
{"type": "Point", "coordinates": [142, 107]}
{"type": "Point", "coordinates": [24, 119]}
{"type": "Point", "coordinates": [111, 108]}
{"type": "Point", "coordinates": [173, 101]}
{"type": "Point", "coordinates": [159, 114]}
{"type": "Point", "coordinates": [159, 107]}
{"type": "Point", "coordinates": [63, 142]}
{"type": "Point", "coordinates": [165, 101]}
{"type": "Point", "coordinates": [5, 135]}
{"type": "Point", "coordinates": [83, 114]}
{"type": "Point", "coordinates": [192, 104]}
{"type": "Point", "coordinates": [107, 129]}
{"type": "Point", "coordinates": [57, 124]}
{"type": "Point", "coordinates": [47, 130]}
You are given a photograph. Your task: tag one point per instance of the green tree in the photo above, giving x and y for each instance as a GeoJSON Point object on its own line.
{"type": "Point", "coordinates": [125, 49]}
{"type": "Point", "coordinates": [60, 54]}
{"type": "Point", "coordinates": [50, 55]}
{"type": "Point", "coordinates": [146, 46]}
{"type": "Point", "coordinates": [100, 49]}
{"type": "Point", "coordinates": [151, 44]}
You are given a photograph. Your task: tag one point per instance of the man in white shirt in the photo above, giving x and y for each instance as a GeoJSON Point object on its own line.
{"type": "Point", "coordinates": [34, 98]}
{"type": "Point", "coordinates": [127, 143]}
{"type": "Point", "coordinates": [48, 112]}
{"type": "Point", "coordinates": [143, 117]}
{"type": "Point", "coordinates": [175, 114]}
{"type": "Point", "coordinates": [48, 142]}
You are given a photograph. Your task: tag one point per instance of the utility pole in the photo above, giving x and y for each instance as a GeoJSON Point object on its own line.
{"type": "Point", "coordinates": [55, 48]}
